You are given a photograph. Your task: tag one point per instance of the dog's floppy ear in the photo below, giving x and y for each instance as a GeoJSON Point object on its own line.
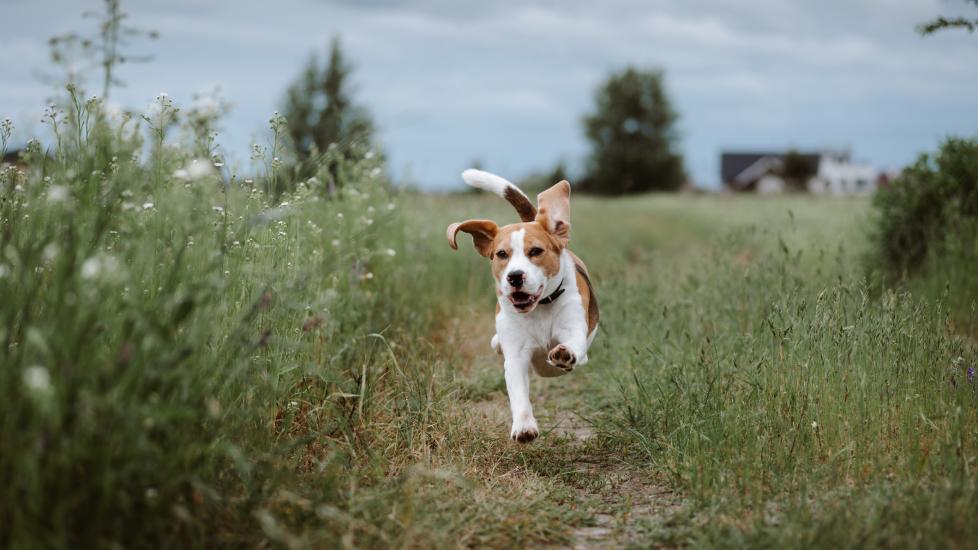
{"type": "Point", "coordinates": [482, 231]}
{"type": "Point", "coordinates": [553, 207]}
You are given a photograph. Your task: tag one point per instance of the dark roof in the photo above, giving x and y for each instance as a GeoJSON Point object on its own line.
{"type": "Point", "coordinates": [11, 157]}
{"type": "Point", "coordinates": [733, 164]}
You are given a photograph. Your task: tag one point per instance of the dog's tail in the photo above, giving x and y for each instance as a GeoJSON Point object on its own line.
{"type": "Point", "coordinates": [504, 188]}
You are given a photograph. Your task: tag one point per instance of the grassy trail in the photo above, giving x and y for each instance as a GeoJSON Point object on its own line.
{"type": "Point", "coordinates": [610, 496]}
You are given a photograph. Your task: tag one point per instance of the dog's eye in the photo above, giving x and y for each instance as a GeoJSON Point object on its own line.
{"type": "Point", "coordinates": [502, 255]}
{"type": "Point", "coordinates": [535, 251]}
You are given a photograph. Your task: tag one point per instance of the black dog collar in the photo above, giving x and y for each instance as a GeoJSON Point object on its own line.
{"type": "Point", "coordinates": [556, 294]}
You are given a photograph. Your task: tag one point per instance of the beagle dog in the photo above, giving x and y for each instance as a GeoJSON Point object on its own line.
{"type": "Point", "coordinates": [546, 312]}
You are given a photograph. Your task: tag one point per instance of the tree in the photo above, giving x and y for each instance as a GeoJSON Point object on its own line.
{"type": "Point", "coordinates": [633, 136]}
{"type": "Point", "coordinates": [321, 112]}
{"type": "Point", "coordinates": [942, 23]}
{"type": "Point", "coordinates": [798, 170]}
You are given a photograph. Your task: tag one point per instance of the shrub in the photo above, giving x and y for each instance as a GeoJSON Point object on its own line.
{"type": "Point", "coordinates": [931, 205]}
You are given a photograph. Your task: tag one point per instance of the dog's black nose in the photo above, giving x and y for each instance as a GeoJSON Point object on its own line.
{"type": "Point", "coordinates": [515, 278]}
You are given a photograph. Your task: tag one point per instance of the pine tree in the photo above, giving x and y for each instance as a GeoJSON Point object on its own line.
{"type": "Point", "coordinates": [633, 137]}
{"type": "Point", "coordinates": [321, 112]}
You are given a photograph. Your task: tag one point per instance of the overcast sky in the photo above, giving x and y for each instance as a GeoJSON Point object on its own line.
{"type": "Point", "coordinates": [507, 82]}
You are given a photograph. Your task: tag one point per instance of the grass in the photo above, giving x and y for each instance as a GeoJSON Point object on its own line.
{"type": "Point", "coordinates": [189, 360]}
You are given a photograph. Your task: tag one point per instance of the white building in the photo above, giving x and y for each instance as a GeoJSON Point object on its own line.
{"type": "Point", "coordinates": [839, 176]}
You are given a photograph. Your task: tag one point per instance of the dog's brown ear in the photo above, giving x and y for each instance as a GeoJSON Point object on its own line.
{"type": "Point", "coordinates": [482, 231]}
{"type": "Point", "coordinates": [553, 207]}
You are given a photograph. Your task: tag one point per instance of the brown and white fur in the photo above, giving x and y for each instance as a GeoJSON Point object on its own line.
{"type": "Point", "coordinates": [531, 262]}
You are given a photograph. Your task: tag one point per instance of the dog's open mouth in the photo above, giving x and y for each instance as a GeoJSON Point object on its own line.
{"type": "Point", "coordinates": [523, 301]}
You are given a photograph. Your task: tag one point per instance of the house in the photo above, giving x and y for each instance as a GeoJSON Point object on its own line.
{"type": "Point", "coordinates": [777, 172]}
{"type": "Point", "coordinates": [843, 177]}
{"type": "Point", "coordinates": [12, 158]}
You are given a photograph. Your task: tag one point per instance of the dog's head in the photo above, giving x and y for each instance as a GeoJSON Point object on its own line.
{"type": "Point", "coordinates": [525, 256]}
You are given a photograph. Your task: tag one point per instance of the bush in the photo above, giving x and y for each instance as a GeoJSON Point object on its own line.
{"type": "Point", "coordinates": [931, 206]}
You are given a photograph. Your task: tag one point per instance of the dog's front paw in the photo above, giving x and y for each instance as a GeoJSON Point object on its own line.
{"type": "Point", "coordinates": [562, 358]}
{"type": "Point", "coordinates": [525, 431]}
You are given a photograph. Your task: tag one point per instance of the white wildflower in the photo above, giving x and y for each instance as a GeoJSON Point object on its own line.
{"type": "Point", "coordinates": [37, 378]}
{"type": "Point", "coordinates": [50, 252]}
{"type": "Point", "coordinates": [4, 271]}
{"type": "Point", "coordinates": [205, 107]}
{"type": "Point", "coordinates": [148, 205]}
{"type": "Point", "coordinates": [57, 193]}
{"type": "Point", "coordinates": [91, 268]}
{"type": "Point", "coordinates": [814, 425]}
{"type": "Point", "coordinates": [390, 252]}
{"type": "Point", "coordinates": [199, 168]}
{"type": "Point", "coordinates": [335, 242]}
{"type": "Point", "coordinates": [390, 206]}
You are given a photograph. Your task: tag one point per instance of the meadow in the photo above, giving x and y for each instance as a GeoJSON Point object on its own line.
{"type": "Point", "coordinates": [193, 358]}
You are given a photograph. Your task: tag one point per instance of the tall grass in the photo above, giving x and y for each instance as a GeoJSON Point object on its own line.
{"type": "Point", "coordinates": [178, 350]}
{"type": "Point", "coordinates": [795, 406]}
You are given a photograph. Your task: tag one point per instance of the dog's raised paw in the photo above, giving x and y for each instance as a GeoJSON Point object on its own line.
{"type": "Point", "coordinates": [562, 358]}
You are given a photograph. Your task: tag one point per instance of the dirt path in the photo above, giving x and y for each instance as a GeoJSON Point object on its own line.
{"type": "Point", "coordinates": [621, 501]}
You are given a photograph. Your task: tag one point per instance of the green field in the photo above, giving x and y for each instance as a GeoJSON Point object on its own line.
{"type": "Point", "coordinates": [198, 364]}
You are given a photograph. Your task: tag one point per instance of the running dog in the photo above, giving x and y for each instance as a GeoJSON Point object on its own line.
{"type": "Point", "coordinates": [546, 311]}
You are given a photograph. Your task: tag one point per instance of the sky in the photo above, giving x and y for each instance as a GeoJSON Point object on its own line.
{"type": "Point", "coordinates": [507, 83]}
